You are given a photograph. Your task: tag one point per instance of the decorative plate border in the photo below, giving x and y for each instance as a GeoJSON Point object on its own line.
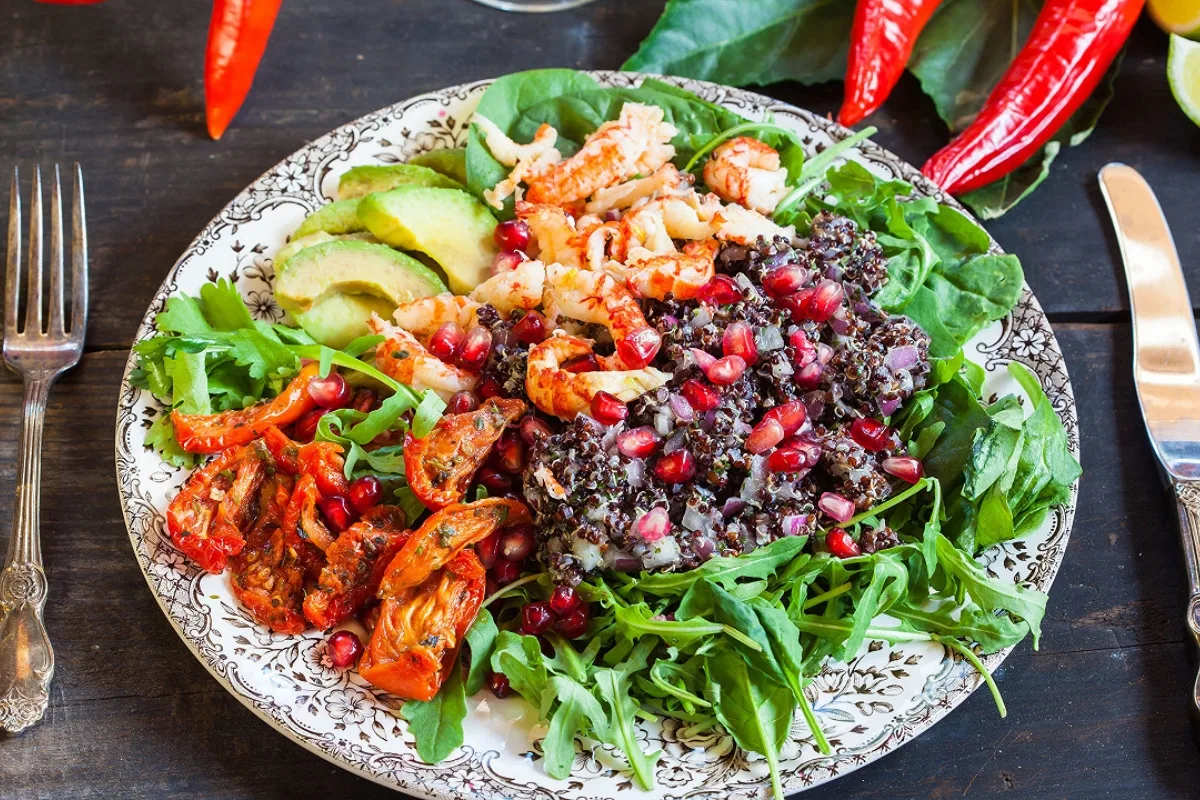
{"type": "Point", "coordinates": [879, 701]}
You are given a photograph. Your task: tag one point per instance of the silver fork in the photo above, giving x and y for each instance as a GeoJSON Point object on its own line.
{"type": "Point", "coordinates": [40, 353]}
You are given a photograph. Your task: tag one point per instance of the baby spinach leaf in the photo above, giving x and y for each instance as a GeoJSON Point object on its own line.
{"type": "Point", "coordinates": [437, 724]}
{"type": "Point", "coordinates": [756, 711]}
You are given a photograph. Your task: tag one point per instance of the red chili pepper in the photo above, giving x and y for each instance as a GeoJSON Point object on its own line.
{"type": "Point", "coordinates": [881, 40]}
{"type": "Point", "coordinates": [1071, 46]}
{"type": "Point", "coordinates": [237, 38]}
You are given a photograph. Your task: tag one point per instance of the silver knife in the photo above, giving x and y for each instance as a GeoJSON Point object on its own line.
{"type": "Point", "coordinates": [1166, 358]}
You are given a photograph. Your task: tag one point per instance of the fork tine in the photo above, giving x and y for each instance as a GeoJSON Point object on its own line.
{"type": "Point", "coordinates": [79, 261]}
{"type": "Point", "coordinates": [55, 326]}
{"type": "Point", "coordinates": [12, 279]}
{"type": "Point", "coordinates": [33, 304]}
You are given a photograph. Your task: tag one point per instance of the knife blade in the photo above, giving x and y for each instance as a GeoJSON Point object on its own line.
{"type": "Point", "coordinates": [1166, 360]}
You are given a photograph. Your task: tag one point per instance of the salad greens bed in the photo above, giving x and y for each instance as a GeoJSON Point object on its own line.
{"type": "Point", "coordinates": [734, 642]}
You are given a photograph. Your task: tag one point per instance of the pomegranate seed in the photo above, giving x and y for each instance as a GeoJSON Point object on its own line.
{"type": "Point", "coordinates": [517, 543]}
{"type": "Point", "coordinates": [462, 402]}
{"type": "Point", "coordinates": [498, 683]}
{"type": "Point", "coordinates": [574, 624]}
{"type": "Point", "coordinates": [537, 618]}
{"type": "Point", "coordinates": [791, 416]}
{"type": "Point", "coordinates": [586, 363]}
{"type": "Point", "coordinates": [653, 525]}
{"type": "Point", "coordinates": [809, 376]}
{"type": "Point", "coordinates": [738, 340]}
{"type": "Point", "coordinates": [344, 649]}
{"type": "Point", "coordinates": [534, 430]}
{"type": "Point", "coordinates": [365, 401]}
{"type": "Point", "coordinates": [842, 544]}
{"type": "Point", "coordinates": [505, 261]}
{"type": "Point", "coordinates": [825, 301]}
{"type": "Point", "coordinates": [493, 480]}
{"type": "Point", "coordinates": [337, 512]}
{"type": "Point", "coordinates": [564, 600]}
{"type": "Point", "coordinates": [836, 506]}
{"type": "Point", "coordinates": [721, 290]}
{"type": "Point", "coordinates": [703, 360]}
{"type": "Point", "coordinates": [638, 348]}
{"type": "Point", "coordinates": [531, 328]}
{"type": "Point", "coordinates": [487, 550]}
{"type": "Point", "coordinates": [786, 459]}
{"type": "Point", "coordinates": [331, 391]}
{"type": "Point", "coordinates": [797, 304]}
{"type": "Point", "coordinates": [824, 353]}
{"type": "Point", "coordinates": [871, 434]}
{"type": "Point", "coordinates": [306, 427]}
{"type": "Point", "coordinates": [505, 572]}
{"type": "Point", "coordinates": [765, 435]}
{"type": "Point", "coordinates": [446, 342]}
{"type": "Point", "coordinates": [492, 586]}
{"type": "Point", "coordinates": [725, 371]}
{"type": "Point", "coordinates": [510, 453]}
{"type": "Point", "coordinates": [809, 450]}
{"type": "Point", "coordinates": [785, 280]}
{"type": "Point", "coordinates": [365, 493]}
{"type": "Point", "coordinates": [700, 397]}
{"type": "Point", "coordinates": [475, 349]}
{"type": "Point", "coordinates": [804, 352]}
{"type": "Point", "coordinates": [638, 442]}
{"type": "Point", "coordinates": [906, 468]}
{"type": "Point", "coordinates": [545, 646]}
{"type": "Point", "coordinates": [607, 409]}
{"type": "Point", "coordinates": [488, 387]}
{"type": "Point", "coordinates": [512, 235]}
{"type": "Point", "coordinates": [676, 467]}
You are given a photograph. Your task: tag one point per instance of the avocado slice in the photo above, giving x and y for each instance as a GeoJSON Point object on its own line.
{"type": "Point", "coordinates": [365, 180]}
{"type": "Point", "coordinates": [448, 225]}
{"type": "Point", "coordinates": [450, 161]}
{"type": "Point", "coordinates": [332, 288]}
{"type": "Point", "coordinates": [336, 218]}
{"type": "Point", "coordinates": [320, 237]}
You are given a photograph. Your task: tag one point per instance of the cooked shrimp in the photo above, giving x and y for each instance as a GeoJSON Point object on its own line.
{"type": "Point", "coordinates": [402, 357]}
{"type": "Point", "coordinates": [666, 180]}
{"type": "Point", "coordinates": [597, 297]}
{"type": "Point", "coordinates": [424, 316]}
{"type": "Point", "coordinates": [681, 275]}
{"type": "Point", "coordinates": [565, 394]}
{"type": "Point", "coordinates": [521, 288]}
{"type": "Point", "coordinates": [638, 141]}
{"type": "Point", "coordinates": [555, 232]}
{"type": "Point", "coordinates": [746, 171]}
{"type": "Point", "coordinates": [743, 226]}
{"type": "Point", "coordinates": [527, 160]}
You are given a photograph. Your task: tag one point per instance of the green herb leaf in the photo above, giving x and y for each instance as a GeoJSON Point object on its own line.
{"type": "Point", "coordinates": [578, 711]}
{"type": "Point", "coordinates": [437, 725]}
{"type": "Point", "coordinates": [613, 686]}
{"type": "Point", "coordinates": [481, 639]}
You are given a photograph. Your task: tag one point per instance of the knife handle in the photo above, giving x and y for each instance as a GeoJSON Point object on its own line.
{"type": "Point", "coordinates": [1187, 501]}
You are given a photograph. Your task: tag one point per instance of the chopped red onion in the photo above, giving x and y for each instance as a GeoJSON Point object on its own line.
{"type": "Point", "coordinates": [794, 524]}
{"type": "Point", "coordinates": [824, 353]}
{"type": "Point", "coordinates": [733, 506]}
{"type": "Point", "coordinates": [839, 323]}
{"type": "Point", "coordinates": [681, 407]}
{"type": "Point", "coordinates": [903, 357]}
{"type": "Point", "coordinates": [653, 525]}
{"type": "Point", "coordinates": [889, 406]}
{"type": "Point", "coordinates": [703, 359]}
{"type": "Point", "coordinates": [815, 403]}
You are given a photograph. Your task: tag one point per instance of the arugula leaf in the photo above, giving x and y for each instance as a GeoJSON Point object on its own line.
{"type": "Point", "coordinates": [992, 631]}
{"type": "Point", "coordinates": [578, 710]}
{"type": "Point", "coordinates": [520, 659]}
{"type": "Point", "coordinates": [481, 639]}
{"type": "Point", "coordinates": [759, 563]}
{"type": "Point", "coordinates": [1028, 604]}
{"type": "Point", "coordinates": [758, 713]}
{"type": "Point", "coordinates": [613, 686]}
{"type": "Point", "coordinates": [437, 725]}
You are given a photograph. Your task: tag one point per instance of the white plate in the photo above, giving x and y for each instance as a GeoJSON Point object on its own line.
{"type": "Point", "coordinates": [883, 698]}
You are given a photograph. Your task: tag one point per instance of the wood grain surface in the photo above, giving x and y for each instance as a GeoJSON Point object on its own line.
{"type": "Point", "coordinates": [1099, 712]}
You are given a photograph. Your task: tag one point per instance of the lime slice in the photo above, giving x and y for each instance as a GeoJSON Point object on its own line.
{"type": "Point", "coordinates": [1183, 73]}
{"type": "Point", "coordinates": [1181, 17]}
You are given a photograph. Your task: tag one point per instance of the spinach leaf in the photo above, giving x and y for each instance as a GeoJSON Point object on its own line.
{"type": "Point", "coordinates": [739, 43]}
{"type": "Point", "coordinates": [613, 686]}
{"type": "Point", "coordinates": [437, 724]}
{"type": "Point", "coordinates": [577, 711]}
{"type": "Point", "coordinates": [757, 712]}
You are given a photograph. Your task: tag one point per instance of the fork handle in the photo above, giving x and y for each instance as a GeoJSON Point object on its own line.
{"type": "Point", "coordinates": [26, 657]}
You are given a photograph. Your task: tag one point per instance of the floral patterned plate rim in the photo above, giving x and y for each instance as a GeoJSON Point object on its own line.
{"type": "Point", "coordinates": [883, 698]}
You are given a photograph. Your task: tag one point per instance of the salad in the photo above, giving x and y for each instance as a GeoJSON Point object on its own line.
{"type": "Point", "coordinates": [631, 408]}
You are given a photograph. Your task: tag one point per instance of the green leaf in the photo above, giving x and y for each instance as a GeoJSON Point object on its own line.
{"type": "Point", "coordinates": [520, 659]}
{"type": "Point", "coordinates": [992, 631]}
{"type": "Point", "coordinates": [578, 711]}
{"type": "Point", "coordinates": [757, 712]}
{"type": "Point", "coordinates": [224, 308]}
{"type": "Point", "coordinates": [989, 593]}
{"type": "Point", "coordinates": [183, 315]}
{"type": "Point", "coordinates": [613, 686]}
{"type": "Point", "coordinates": [428, 412]}
{"type": "Point", "coordinates": [190, 382]}
{"type": "Point", "coordinates": [739, 43]}
{"type": "Point", "coordinates": [161, 437]}
{"type": "Point", "coordinates": [437, 725]}
{"type": "Point", "coordinates": [760, 563]}
{"type": "Point", "coordinates": [481, 639]}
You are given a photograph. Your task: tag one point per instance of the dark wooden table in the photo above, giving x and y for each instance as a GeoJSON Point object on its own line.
{"type": "Point", "coordinates": [1098, 712]}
